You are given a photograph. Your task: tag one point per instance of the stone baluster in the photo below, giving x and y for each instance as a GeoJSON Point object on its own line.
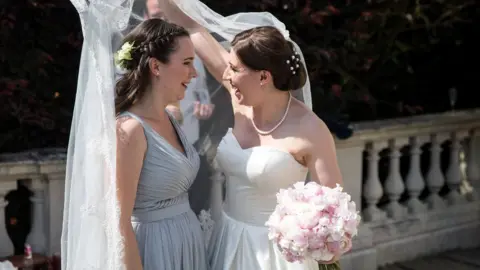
{"type": "Point", "coordinates": [6, 246]}
{"type": "Point", "coordinates": [454, 175]}
{"type": "Point", "coordinates": [394, 186]}
{"type": "Point", "coordinates": [414, 180]}
{"type": "Point", "coordinates": [37, 237]}
{"type": "Point", "coordinates": [473, 172]}
{"type": "Point", "coordinates": [372, 189]}
{"type": "Point", "coordinates": [435, 179]}
{"type": "Point", "coordinates": [56, 194]}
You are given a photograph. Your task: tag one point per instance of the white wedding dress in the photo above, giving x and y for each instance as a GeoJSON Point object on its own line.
{"type": "Point", "coordinates": [253, 178]}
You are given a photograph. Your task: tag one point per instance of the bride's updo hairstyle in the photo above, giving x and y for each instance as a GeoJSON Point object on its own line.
{"type": "Point", "coordinates": [152, 38]}
{"type": "Point", "coordinates": [265, 48]}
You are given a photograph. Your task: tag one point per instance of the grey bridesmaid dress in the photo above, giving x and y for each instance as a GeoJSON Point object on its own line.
{"type": "Point", "coordinates": [168, 233]}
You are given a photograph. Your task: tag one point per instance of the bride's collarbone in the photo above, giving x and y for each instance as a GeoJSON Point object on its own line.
{"type": "Point", "coordinates": [248, 138]}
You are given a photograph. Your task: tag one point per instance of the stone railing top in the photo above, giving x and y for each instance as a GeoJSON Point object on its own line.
{"type": "Point", "coordinates": [415, 125]}
{"type": "Point", "coordinates": [36, 155]}
{"type": "Point", "coordinates": [38, 161]}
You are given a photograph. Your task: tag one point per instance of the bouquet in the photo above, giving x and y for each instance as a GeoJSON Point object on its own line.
{"type": "Point", "coordinates": [315, 222]}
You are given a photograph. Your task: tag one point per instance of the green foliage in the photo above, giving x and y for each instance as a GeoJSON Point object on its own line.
{"type": "Point", "coordinates": [371, 45]}
{"type": "Point", "coordinates": [367, 59]}
{"type": "Point", "coordinates": [41, 43]}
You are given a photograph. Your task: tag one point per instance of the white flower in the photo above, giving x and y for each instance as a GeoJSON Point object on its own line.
{"type": "Point", "coordinates": [124, 54]}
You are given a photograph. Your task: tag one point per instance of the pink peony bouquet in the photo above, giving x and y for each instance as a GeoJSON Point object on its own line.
{"type": "Point", "coordinates": [314, 222]}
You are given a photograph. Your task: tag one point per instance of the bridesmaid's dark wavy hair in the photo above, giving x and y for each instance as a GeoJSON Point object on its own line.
{"type": "Point", "coordinates": [152, 38]}
{"type": "Point", "coordinates": [265, 48]}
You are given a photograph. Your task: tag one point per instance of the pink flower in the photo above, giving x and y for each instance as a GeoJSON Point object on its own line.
{"type": "Point", "coordinates": [288, 224]}
{"type": "Point", "coordinates": [313, 221]}
{"type": "Point", "coordinates": [300, 241]}
{"type": "Point", "coordinates": [351, 226]}
{"type": "Point", "coordinates": [334, 247]}
{"type": "Point", "coordinates": [317, 243]}
{"type": "Point", "coordinates": [307, 220]}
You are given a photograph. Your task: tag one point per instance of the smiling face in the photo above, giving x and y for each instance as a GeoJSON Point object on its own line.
{"type": "Point", "coordinates": [261, 60]}
{"type": "Point", "coordinates": [160, 64]}
{"type": "Point", "coordinates": [172, 78]}
{"type": "Point", "coordinates": [245, 82]}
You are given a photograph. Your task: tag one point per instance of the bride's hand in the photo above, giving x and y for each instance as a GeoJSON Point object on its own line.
{"type": "Point", "coordinates": [345, 248]}
{"type": "Point", "coordinates": [333, 260]}
{"type": "Point", "coordinates": [175, 15]}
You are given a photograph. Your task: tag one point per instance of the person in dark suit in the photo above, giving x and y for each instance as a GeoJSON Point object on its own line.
{"type": "Point", "coordinates": [18, 217]}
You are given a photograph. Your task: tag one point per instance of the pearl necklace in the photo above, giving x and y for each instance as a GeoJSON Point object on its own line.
{"type": "Point", "coordinates": [279, 123]}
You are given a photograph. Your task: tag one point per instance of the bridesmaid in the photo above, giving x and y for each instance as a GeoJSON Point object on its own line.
{"type": "Point", "coordinates": [155, 163]}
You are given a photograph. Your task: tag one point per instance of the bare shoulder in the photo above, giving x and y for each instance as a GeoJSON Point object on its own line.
{"type": "Point", "coordinates": [315, 129]}
{"type": "Point", "coordinates": [319, 150]}
{"type": "Point", "coordinates": [311, 127]}
{"type": "Point", "coordinates": [129, 132]}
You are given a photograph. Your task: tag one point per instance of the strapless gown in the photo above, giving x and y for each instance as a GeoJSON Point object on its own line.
{"type": "Point", "coordinates": [253, 178]}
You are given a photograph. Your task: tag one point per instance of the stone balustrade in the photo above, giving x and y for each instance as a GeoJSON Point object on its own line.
{"type": "Point", "coordinates": [415, 181]}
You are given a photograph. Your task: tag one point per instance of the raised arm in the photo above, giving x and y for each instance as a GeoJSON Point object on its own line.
{"type": "Point", "coordinates": [212, 53]}
{"type": "Point", "coordinates": [131, 147]}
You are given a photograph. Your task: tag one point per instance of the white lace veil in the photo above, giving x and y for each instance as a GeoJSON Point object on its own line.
{"type": "Point", "coordinates": [91, 237]}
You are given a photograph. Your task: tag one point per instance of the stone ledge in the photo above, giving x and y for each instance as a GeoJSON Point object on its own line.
{"type": "Point", "coordinates": [412, 225]}
{"type": "Point", "coordinates": [428, 243]}
{"type": "Point", "coordinates": [29, 163]}
{"type": "Point", "coordinates": [413, 247]}
{"type": "Point", "coordinates": [424, 125]}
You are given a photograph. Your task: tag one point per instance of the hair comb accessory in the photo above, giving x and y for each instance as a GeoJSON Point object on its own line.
{"type": "Point", "coordinates": [294, 66]}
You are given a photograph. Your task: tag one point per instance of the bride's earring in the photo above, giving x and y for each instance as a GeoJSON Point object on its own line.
{"type": "Point", "coordinates": [262, 79]}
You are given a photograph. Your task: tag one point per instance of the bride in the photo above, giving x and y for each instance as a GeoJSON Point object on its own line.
{"type": "Point", "coordinates": [274, 142]}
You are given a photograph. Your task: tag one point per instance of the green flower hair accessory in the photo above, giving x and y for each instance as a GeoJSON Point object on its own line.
{"type": "Point", "coordinates": [123, 55]}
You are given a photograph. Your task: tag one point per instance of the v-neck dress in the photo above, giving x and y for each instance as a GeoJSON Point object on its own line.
{"type": "Point", "coordinates": [168, 233]}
